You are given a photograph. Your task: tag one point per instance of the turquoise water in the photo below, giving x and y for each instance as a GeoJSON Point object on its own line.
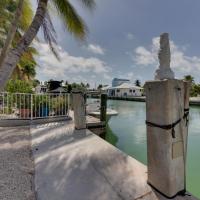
{"type": "Point", "coordinates": [127, 131]}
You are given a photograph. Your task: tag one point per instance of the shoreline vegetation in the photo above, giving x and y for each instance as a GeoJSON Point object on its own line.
{"type": "Point", "coordinates": [193, 100]}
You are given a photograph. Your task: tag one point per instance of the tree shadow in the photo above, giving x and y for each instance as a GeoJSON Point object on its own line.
{"type": "Point", "coordinates": [76, 164]}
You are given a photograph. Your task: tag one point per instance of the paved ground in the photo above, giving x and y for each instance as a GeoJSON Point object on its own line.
{"type": "Point", "coordinates": [78, 165]}
{"type": "Point", "coordinates": [16, 165]}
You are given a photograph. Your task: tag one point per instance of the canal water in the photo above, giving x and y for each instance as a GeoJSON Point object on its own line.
{"type": "Point", "coordinates": [127, 131]}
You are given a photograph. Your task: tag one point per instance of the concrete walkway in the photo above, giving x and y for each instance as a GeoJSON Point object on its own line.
{"type": "Point", "coordinates": [78, 165]}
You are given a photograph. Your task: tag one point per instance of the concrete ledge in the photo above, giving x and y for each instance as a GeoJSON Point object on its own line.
{"type": "Point", "coordinates": [24, 122]}
{"type": "Point", "coordinates": [139, 99]}
{"type": "Point", "coordinates": [78, 165]}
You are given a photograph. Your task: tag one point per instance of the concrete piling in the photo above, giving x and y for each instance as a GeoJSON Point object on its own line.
{"type": "Point", "coordinates": [166, 105]}
{"type": "Point", "coordinates": [79, 109]}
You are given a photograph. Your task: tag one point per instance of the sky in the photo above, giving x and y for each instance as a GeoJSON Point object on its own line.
{"type": "Point", "coordinates": [123, 42]}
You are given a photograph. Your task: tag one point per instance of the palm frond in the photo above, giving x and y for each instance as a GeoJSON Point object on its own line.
{"type": "Point", "coordinates": [32, 50]}
{"type": "Point", "coordinates": [89, 4]}
{"type": "Point", "coordinates": [50, 34]}
{"type": "Point", "coordinates": [27, 15]}
{"type": "Point", "coordinates": [74, 23]}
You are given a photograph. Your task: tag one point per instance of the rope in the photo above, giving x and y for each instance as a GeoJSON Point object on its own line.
{"type": "Point", "coordinates": [186, 116]}
{"type": "Point", "coordinates": [165, 127]}
{"type": "Point", "coordinates": [173, 125]}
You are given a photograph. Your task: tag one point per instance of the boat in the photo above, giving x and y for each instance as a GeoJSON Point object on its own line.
{"type": "Point", "coordinates": [93, 109]}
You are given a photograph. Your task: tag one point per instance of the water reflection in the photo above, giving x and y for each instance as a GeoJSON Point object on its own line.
{"type": "Point", "coordinates": [110, 136]}
{"type": "Point", "coordinates": [129, 127]}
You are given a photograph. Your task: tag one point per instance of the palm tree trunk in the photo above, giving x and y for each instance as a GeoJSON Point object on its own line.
{"type": "Point", "coordinates": [14, 55]}
{"type": "Point", "coordinates": [12, 31]}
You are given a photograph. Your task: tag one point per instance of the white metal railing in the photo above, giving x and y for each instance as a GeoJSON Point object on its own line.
{"type": "Point", "coordinates": [33, 106]}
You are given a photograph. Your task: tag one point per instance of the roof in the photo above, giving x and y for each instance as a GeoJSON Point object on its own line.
{"type": "Point", "coordinates": [126, 86]}
{"type": "Point", "coordinates": [106, 87]}
{"type": "Point", "coordinates": [58, 90]}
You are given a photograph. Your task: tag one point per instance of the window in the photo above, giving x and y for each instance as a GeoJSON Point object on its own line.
{"type": "Point", "coordinates": [133, 91]}
{"type": "Point", "coordinates": [118, 90]}
{"type": "Point", "coordinates": [130, 91]}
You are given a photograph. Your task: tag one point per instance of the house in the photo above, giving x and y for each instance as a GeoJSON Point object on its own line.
{"type": "Point", "coordinates": [40, 89]}
{"type": "Point", "coordinates": [122, 88]}
{"type": "Point", "coordinates": [105, 89]}
{"type": "Point", "coordinates": [125, 90]}
{"type": "Point", "coordinates": [56, 87]}
{"type": "Point", "coordinates": [51, 87]}
{"type": "Point", "coordinates": [58, 90]}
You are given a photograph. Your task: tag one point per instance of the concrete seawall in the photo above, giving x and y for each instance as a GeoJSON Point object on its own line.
{"type": "Point", "coordinates": [193, 100]}
{"type": "Point", "coordinates": [78, 165]}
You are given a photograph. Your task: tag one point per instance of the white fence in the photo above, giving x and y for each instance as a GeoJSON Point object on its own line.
{"type": "Point", "coordinates": [33, 106]}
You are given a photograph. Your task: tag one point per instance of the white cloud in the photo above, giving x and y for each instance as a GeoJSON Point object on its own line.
{"type": "Point", "coordinates": [96, 49]}
{"type": "Point", "coordinates": [180, 62]}
{"type": "Point", "coordinates": [69, 67]}
{"type": "Point", "coordinates": [130, 36]}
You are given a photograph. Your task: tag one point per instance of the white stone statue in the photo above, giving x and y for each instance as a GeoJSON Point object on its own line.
{"type": "Point", "coordinates": [164, 71]}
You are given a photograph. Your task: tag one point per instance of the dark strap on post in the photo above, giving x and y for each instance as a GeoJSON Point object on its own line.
{"type": "Point", "coordinates": [171, 126]}
{"type": "Point", "coordinates": [165, 127]}
{"type": "Point", "coordinates": [186, 116]}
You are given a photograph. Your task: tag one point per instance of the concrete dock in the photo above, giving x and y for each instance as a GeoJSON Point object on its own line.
{"type": "Point", "coordinates": [78, 165]}
{"type": "Point", "coordinates": [93, 122]}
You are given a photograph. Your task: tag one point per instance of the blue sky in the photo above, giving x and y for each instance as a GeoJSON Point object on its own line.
{"type": "Point", "coordinates": [123, 42]}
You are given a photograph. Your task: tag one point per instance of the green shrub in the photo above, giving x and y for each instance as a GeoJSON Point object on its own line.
{"type": "Point", "coordinates": [18, 86]}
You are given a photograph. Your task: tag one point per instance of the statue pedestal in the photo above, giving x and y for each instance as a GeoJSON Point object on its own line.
{"type": "Point", "coordinates": [165, 73]}
{"type": "Point", "coordinates": [167, 134]}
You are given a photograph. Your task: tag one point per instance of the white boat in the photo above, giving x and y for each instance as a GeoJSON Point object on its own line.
{"type": "Point", "coordinates": [109, 113]}
{"type": "Point", "coordinates": [93, 109]}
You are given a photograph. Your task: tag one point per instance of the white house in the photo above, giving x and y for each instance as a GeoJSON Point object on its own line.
{"type": "Point", "coordinates": [105, 89]}
{"type": "Point", "coordinates": [125, 90]}
{"type": "Point", "coordinates": [40, 89]}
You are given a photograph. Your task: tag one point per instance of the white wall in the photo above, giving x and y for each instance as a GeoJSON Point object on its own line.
{"type": "Point", "coordinates": [126, 92]}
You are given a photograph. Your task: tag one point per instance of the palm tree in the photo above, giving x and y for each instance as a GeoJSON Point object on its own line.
{"type": "Point", "coordinates": [99, 86]}
{"type": "Point", "coordinates": [27, 64]}
{"type": "Point", "coordinates": [21, 19]}
{"type": "Point", "coordinates": [11, 33]}
{"type": "Point", "coordinates": [10, 14]}
{"type": "Point", "coordinates": [73, 22]}
{"type": "Point", "coordinates": [189, 78]}
{"type": "Point", "coordinates": [138, 83]}
{"type": "Point", "coordinates": [87, 85]}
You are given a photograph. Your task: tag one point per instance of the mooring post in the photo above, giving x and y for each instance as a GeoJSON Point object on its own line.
{"type": "Point", "coordinates": [167, 107]}
{"type": "Point", "coordinates": [103, 107]}
{"type": "Point", "coordinates": [79, 109]}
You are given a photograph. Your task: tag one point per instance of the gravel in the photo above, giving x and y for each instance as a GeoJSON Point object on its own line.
{"type": "Point", "coordinates": [16, 164]}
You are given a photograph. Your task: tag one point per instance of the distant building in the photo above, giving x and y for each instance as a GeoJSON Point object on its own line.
{"type": "Point", "coordinates": [40, 89]}
{"type": "Point", "coordinates": [118, 81]}
{"type": "Point", "coordinates": [51, 87]}
{"type": "Point", "coordinates": [105, 89]}
{"type": "Point", "coordinates": [122, 88]}
{"type": "Point", "coordinates": [125, 90]}
{"type": "Point", "coordinates": [58, 90]}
